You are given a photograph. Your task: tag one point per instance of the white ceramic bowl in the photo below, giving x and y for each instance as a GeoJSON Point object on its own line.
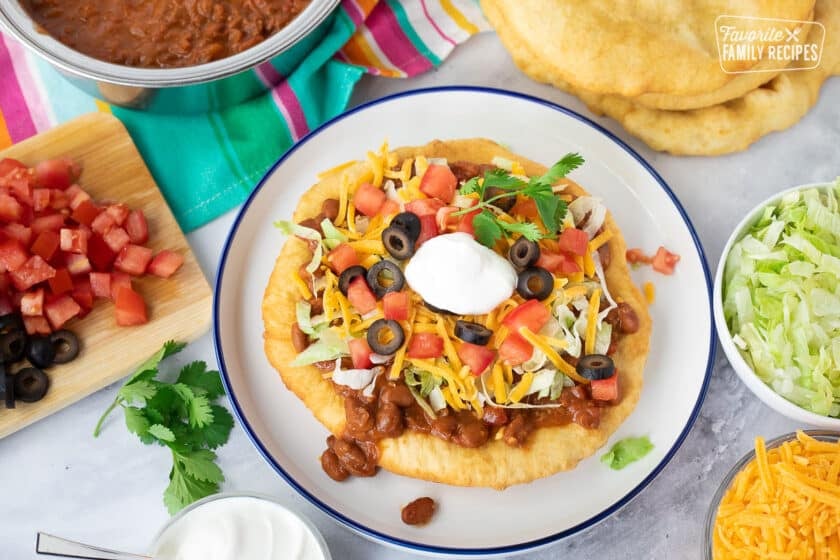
{"type": "Point", "coordinates": [739, 364]}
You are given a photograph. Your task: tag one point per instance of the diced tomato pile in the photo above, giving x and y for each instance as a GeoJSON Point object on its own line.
{"type": "Point", "coordinates": [60, 250]}
{"type": "Point", "coordinates": [664, 261]}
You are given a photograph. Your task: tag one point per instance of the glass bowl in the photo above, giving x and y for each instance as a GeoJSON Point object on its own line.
{"type": "Point", "coordinates": [821, 435]}
{"type": "Point", "coordinates": [309, 526]}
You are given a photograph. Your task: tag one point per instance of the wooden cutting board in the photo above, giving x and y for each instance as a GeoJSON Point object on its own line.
{"type": "Point", "coordinates": [179, 307]}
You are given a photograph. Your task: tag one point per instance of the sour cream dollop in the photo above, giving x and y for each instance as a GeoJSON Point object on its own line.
{"type": "Point", "coordinates": [455, 272]}
{"type": "Point", "coordinates": [238, 528]}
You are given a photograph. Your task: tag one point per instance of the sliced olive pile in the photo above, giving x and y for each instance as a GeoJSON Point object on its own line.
{"type": "Point", "coordinates": [350, 274]}
{"type": "Point", "coordinates": [595, 366]}
{"type": "Point", "coordinates": [472, 332]}
{"type": "Point", "coordinates": [384, 277]}
{"type": "Point", "coordinates": [409, 223]}
{"type": "Point", "coordinates": [523, 253]}
{"type": "Point", "coordinates": [30, 384]}
{"type": "Point", "coordinates": [385, 336]}
{"type": "Point", "coordinates": [400, 238]}
{"type": "Point", "coordinates": [505, 203]}
{"type": "Point", "coordinates": [535, 283]}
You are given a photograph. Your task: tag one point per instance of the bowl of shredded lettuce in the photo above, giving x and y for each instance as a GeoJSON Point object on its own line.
{"type": "Point", "coordinates": [777, 303]}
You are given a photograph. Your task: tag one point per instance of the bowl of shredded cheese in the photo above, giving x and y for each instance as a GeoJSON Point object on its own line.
{"type": "Point", "coordinates": [781, 500]}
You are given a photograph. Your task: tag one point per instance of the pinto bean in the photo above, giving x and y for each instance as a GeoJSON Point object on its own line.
{"type": "Point", "coordinates": [628, 321]}
{"type": "Point", "coordinates": [329, 208]}
{"type": "Point", "coordinates": [359, 417]}
{"type": "Point", "coordinates": [418, 512]}
{"type": "Point", "coordinates": [350, 455]}
{"type": "Point", "coordinates": [495, 415]}
{"type": "Point", "coordinates": [299, 339]}
{"type": "Point", "coordinates": [605, 254]}
{"type": "Point", "coordinates": [396, 393]}
{"type": "Point", "coordinates": [312, 223]}
{"type": "Point", "coordinates": [389, 420]}
{"type": "Point", "coordinates": [332, 466]}
{"type": "Point", "coordinates": [471, 432]}
{"type": "Point", "coordinates": [517, 431]}
{"type": "Point", "coordinates": [316, 306]}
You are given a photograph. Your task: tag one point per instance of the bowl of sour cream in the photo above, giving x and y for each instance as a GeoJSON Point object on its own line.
{"type": "Point", "coordinates": [239, 527]}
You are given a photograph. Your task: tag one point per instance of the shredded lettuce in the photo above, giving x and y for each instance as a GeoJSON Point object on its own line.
{"type": "Point", "coordinates": [332, 237]}
{"type": "Point", "coordinates": [291, 228]}
{"type": "Point", "coordinates": [329, 346]}
{"type": "Point", "coordinates": [626, 451]}
{"type": "Point", "coordinates": [781, 298]}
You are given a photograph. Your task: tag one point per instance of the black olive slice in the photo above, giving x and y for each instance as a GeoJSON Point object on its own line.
{"type": "Point", "coordinates": [11, 322]}
{"type": "Point", "coordinates": [504, 204]}
{"type": "Point", "coordinates": [66, 345]}
{"type": "Point", "coordinates": [440, 310]}
{"type": "Point", "coordinates": [348, 275]}
{"type": "Point", "coordinates": [398, 242]}
{"type": "Point", "coordinates": [472, 332]}
{"type": "Point", "coordinates": [523, 253]}
{"type": "Point", "coordinates": [10, 390]}
{"type": "Point", "coordinates": [12, 346]}
{"type": "Point", "coordinates": [385, 336]}
{"type": "Point", "coordinates": [31, 385]}
{"type": "Point", "coordinates": [535, 283]}
{"type": "Point", "coordinates": [409, 223]}
{"type": "Point", "coordinates": [384, 277]}
{"type": "Point", "coordinates": [40, 351]}
{"type": "Point", "coordinates": [595, 366]}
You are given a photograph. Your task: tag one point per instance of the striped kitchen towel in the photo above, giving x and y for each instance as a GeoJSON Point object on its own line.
{"type": "Point", "coordinates": [207, 164]}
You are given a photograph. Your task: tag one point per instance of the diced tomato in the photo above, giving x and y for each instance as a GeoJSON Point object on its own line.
{"type": "Point", "coordinates": [165, 263]}
{"type": "Point", "coordinates": [61, 310]}
{"type": "Point", "coordinates": [360, 353]}
{"type": "Point", "coordinates": [46, 244]}
{"type": "Point", "coordinates": [390, 208]}
{"type": "Point", "coordinates": [119, 212]}
{"type": "Point", "coordinates": [637, 256]}
{"type": "Point", "coordinates": [19, 232]}
{"type": "Point", "coordinates": [396, 306]}
{"type": "Point", "coordinates": [557, 263]}
{"type": "Point", "coordinates": [100, 254]}
{"type": "Point", "coordinates": [74, 240]}
{"type": "Point", "coordinates": [475, 356]}
{"type": "Point", "coordinates": [77, 264]}
{"type": "Point", "coordinates": [439, 182]}
{"type": "Point", "coordinates": [129, 307]}
{"type": "Point", "coordinates": [444, 217]}
{"type": "Point", "coordinates": [31, 272]}
{"type": "Point", "coordinates": [342, 257]}
{"type": "Point", "coordinates": [20, 187]}
{"type": "Point", "coordinates": [428, 228]}
{"type": "Point", "coordinates": [85, 212]}
{"type": "Point", "coordinates": [83, 293]}
{"type": "Point", "coordinates": [605, 389]}
{"type": "Point", "coordinates": [424, 206]}
{"type": "Point", "coordinates": [664, 261]}
{"type": "Point", "coordinates": [137, 228]}
{"type": "Point", "coordinates": [36, 325]}
{"type": "Point", "coordinates": [10, 209]}
{"type": "Point", "coordinates": [360, 296]}
{"type": "Point", "coordinates": [32, 303]}
{"type": "Point", "coordinates": [531, 314]}
{"type": "Point", "coordinates": [57, 173]}
{"type": "Point", "coordinates": [424, 345]}
{"type": "Point", "coordinates": [116, 239]}
{"type": "Point", "coordinates": [59, 200]}
{"type": "Point", "coordinates": [40, 199]}
{"type": "Point", "coordinates": [525, 207]}
{"type": "Point", "coordinates": [574, 241]}
{"type": "Point", "coordinates": [53, 222]}
{"type": "Point", "coordinates": [77, 196]}
{"type": "Point", "coordinates": [368, 199]}
{"type": "Point", "coordinates": [100, 284]}
{"type": "Point", "coordinates": [133, 259]}
{"type": "Point", "coordinates": [466, 223]}
{"type": "Point", "coordinates": [119, 280]}
{"type": "Point", "coordinates": [515, 350]}
{"type": "Point", "coordinates": [103, 223]}
{"type": "Point", "coordinates": [61, 282]}
{"type": "Point", "coordinates": [7, 165]}
{"type": "Point", "coordinates": [12, 255]}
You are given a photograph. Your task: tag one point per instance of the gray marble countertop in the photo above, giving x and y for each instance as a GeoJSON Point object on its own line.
{"type": "Point", "coordinates": [55, 477]}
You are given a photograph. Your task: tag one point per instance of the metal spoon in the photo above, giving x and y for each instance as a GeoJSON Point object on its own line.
{"type": "Point", "coordinates": [51, 545]}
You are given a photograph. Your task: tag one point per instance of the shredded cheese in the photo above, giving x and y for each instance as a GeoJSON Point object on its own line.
{"type": "Point", "coordinates": [498, 377]}
{"type": "Point", "coordinates": [448, 347]}
{"type": "Point", "coordinates": [592, 320]}
{"type": "Point", "coordinates": [522, 387]}
{"type": "Point", "coordinates": [370, 260]}
{"type": "Point", "coordinates": [552, 355]}
{"type": "Point", "coordinates": [599, 240]}
{"type": "Point", "coordinates": [575, 292]}
{"type": "Point", "coordinates": [588, 265]}
{"type": "Point", "coordinates": [650, 292]}
{"type": "Point", "coordinates": [351, 217]}
{"type": "Point", "coordinates": [305, 293]}
{"type": "Point", "coordinates": [783, 504]}
{"type": "Point", "coordinates": [340, 167]}
{"type": "Point", "coordinates": [343, 196]}
{"type": "Point", "coordinates": [369, 246]}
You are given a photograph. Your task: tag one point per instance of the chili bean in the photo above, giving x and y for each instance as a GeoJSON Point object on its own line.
{"type": "Point", "coordinates": [312, 223]}
{"type": "Point", "coordinates": [359, 418]}
{"type": "Point", "coordinates": [628, 321]}
{"type": "Point", "coordinates": [329, 208]}
{"type": "Point", "coordinates": [396, 393]}
{"type": "Point", "coordinates": [495, 415]}
{"type": "Point", "coordinates": [605, 254]}
{"type": "Point", "coordinates": [332, 466]}
{"type": "Point", "coordinates": [472, 432]}
{"type": "Point", "coordinates": [316, 306]}
{"type": "Point", "coordinates": [350, 455]}
{"type": "Point", "coordinates": [586, 416]}
{"type": "Point", "coordinates": [418, 512]}
{"type": "Point", "coordinates": [389, 420]}
{"type": "Point", "coordinates": [465, 170]}
{"type": "Point", "coordinates": [517, 431]}
{"type": "Point", "coordinates": [299, 339]}
{"type": "Point", "coordinates": [444, 426]}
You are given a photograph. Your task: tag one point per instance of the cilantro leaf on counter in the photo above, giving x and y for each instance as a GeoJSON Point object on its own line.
{"type": "Point", "coordinates": [626, 451]}
{"type": "Point", "coordinates": [182, 416]}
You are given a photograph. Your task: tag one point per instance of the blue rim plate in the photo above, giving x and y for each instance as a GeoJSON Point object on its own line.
{"type": "Point", "coordinates": [645, 208]}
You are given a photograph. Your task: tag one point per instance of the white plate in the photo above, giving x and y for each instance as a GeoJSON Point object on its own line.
{"type": "Point", "coordinates": [470, 521]}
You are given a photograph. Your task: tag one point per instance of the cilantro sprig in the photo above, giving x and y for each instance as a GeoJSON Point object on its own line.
{"type": "Point", "coordinates": [552, 210]}
{"type": "Point", "coordinates": [181, 415]}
